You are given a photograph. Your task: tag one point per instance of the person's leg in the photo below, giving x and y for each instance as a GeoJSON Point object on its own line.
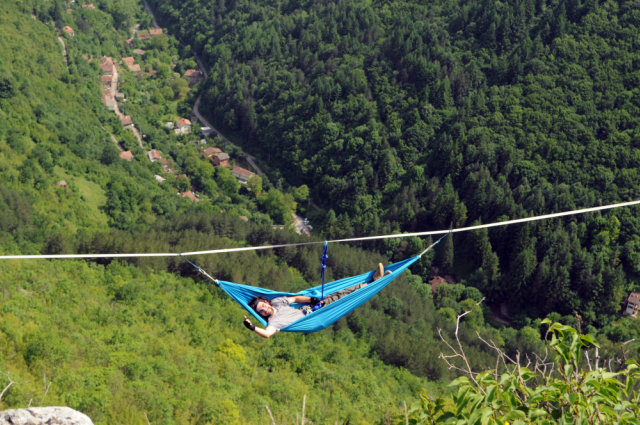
{"type": "Point", "coordinates": [336, 296]}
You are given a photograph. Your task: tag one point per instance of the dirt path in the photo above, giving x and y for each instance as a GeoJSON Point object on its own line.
{"type": "Point", "coordinates": [113, 138]}
{"type": "Point", "coordinates": [64, 52]}
{"type": "Point", "coordinates": [114, 90]}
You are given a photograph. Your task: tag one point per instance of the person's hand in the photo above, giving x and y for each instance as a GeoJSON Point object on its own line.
{"type": "Point", "coordinates": [247, 323]}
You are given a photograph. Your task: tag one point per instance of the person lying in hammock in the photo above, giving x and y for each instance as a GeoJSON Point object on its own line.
{"type": "Point", "coordinates": [279, 313]}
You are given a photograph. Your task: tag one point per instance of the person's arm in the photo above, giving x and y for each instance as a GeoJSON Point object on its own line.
{"type": "Point", "coordinates": [302, 299]}
{"type": "Point", "coordinates": [265, 333]}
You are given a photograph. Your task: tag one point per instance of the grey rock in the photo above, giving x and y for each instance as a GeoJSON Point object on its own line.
{"type": "Point", "coordinates": [44, 416]}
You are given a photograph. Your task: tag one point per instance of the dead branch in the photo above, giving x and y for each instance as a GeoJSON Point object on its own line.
{"type": "Point", "coordinates": [461, 352]}
{"type": "Point", "coordinates": [406, 414]}
{"type": "Point", "coordinates": [11, 382]}
{"type": "Point", "coordinates": [45, 388]}
{"type": "Point", "coordinates": [270, 415]}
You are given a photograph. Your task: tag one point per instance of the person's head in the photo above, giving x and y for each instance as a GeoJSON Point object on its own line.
{"type": "Point", "coordinates": [262, 306]}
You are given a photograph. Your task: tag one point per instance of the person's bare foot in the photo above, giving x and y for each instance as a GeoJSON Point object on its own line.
{"type": "Point", "coordinates": [380, 272]}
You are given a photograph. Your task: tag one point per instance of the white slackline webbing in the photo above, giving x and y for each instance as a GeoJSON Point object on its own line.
{"type": "Point", "coordinates": [255, 248]}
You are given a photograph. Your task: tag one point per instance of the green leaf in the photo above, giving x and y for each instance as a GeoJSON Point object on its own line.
{"type": "Point", "coordinates": [590, 340]}
{"type": "Point", "coordinates": [460, 381]}
{"type": "Point", "coordinates": [537, 413]}
{"type": "Point", "coordinates": [491, 395]}
{"type": "Point", "coordinates": [462, 399]}
{"type": "Point", "coordinates": [513, 415]}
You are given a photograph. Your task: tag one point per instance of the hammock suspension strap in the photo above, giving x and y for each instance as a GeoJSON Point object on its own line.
{"type": "Point", "coordinates": [201, 270]}
{"type": "Point", "coordinates": [435, 243]}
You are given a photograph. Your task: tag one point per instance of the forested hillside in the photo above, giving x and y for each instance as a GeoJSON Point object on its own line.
{"type": "Point", "coordinates": [120, 340]}
{"type": "Point", "coordinates": [408, 116]}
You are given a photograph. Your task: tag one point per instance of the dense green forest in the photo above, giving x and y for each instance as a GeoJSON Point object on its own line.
{"type": "Point", "coordinates": [147, 336]}
{"type": "Point", "coordinates": [409, 116]}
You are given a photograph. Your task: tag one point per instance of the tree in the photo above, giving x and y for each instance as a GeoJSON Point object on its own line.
{"type": "Point", "coordinates": [444, 255]}
{"type": "Point", "coordinates": [226, 181]}
{"type": "Point", "coordinates": [255, 184]}
{"type": "Point", "coordinates": [301, 194]}
{"type": "Point", "coordinates": [110, 154]}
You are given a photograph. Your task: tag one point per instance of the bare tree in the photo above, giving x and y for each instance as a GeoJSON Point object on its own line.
{"type": "Point", "coordinates": [11, 382]}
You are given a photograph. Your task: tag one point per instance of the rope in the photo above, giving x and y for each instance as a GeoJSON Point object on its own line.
{"type": "Point", "coordinates": [255, 248]}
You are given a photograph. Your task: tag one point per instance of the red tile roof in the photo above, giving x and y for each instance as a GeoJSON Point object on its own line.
{"type": "Point", "coordinates": [129, 61]}
{"type": "Point", "coordinates": [68, 30]}
{"type": "Point", "coordinates": [88, 6]}
{"type": "Point", "coordinates": [189, 195]}
{"type": "Point", "coordinates": [242, 172]}
{"type": "Point", "coordinates": [126, 120]}
{"type": "Point", "coordinates": [183, 121]}
{"type": "Point", "coordinates": [211, 151]}
{"type": "Point", "coordinates": [435, 282]}
{"type": "Point", "coordinates": [106, 79]}
{"type": "Point", "coordinates": [154, 155]}
{"type": "Point", "coordinates": [155, 31]}
{"type": "Point", "coordinates": [139, 52]}
{"type": "Point", "coordinates": [126, 155]}
{"type": "Point", "coordinates": [192, 73]}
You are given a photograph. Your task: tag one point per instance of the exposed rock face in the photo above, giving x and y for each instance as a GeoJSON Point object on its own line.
{"type": "Point", "coordinates": [44, 416]}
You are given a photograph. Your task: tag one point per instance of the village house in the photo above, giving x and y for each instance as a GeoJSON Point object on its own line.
{"type": "Point", "coordinates": [139, 52]}
{"type": "Point", "coordinates": [130, 62]}
{"type": "Point", "coordinates": [184, 125]}
{"type": "Point", "coordinates": [108, 100]}
{"type": "Point", "coordinates": [126, 121]}
{"type": "Point", "coordinates": [241, 174]}
{"type": "Point", "coordinates": [107, 65]}
{"type": "Point", "coordinates": [160, 178]}
{"type": "Point", "coordinates": [190, 195]}
{"type": "Point", "coordinates": [206, 131]}
{"type": "Point", "coordinates": [143, 35]}
{"type": "Point", "coordinates": [62, 184]}
{"type": "Point", "coordinates": [88, 6]}
{"type": "Point", "coordinates": [68, 30]}
{"type": "Point", "coordinates": [221, 159]}
{"type": "Point", "coordinates": [209, 152]}
{"type": "Point", "coordinates": [155, 31]}
{"type": "Point", "coordinates": [107, 80]}
{"type": "Point", "coordinates": [435, 282]}
{"type": "Point", "coordinates": [154, 155]}
{"type": "Point", "coordinates": [632, 305]}
{"type": "Point", "coordinates": [127, 155]}
{"type": "Point", "coordinates": [193, 75]}
{"type": "Point", "coordinates": [69, 11]}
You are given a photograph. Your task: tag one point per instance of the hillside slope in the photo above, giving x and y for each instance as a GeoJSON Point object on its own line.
{"type": "Point", "coordinates": [409, 116]}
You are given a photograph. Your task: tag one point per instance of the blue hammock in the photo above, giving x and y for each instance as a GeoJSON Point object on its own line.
{"type": "Point", "coordinates": [327, 315]}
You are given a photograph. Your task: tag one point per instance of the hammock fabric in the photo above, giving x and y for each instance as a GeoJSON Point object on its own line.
{"type": "Point", "coordinates": [329, 314]}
